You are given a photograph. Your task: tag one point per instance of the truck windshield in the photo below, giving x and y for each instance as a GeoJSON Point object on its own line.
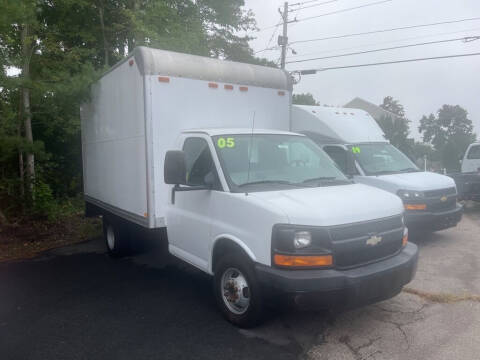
{"type": "Point", "coordinates": [382, 158]}
{"type": "Point", "coordinates": [260, 162]}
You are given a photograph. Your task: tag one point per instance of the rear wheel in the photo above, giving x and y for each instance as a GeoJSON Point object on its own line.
{"type": "Point", "coordinates": [237, 291]}
{"type": "Point", "coordinates": [117, 236]}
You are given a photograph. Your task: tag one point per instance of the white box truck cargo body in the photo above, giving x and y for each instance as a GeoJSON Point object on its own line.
{"type": "Point", "coordinates": [139, 108]}
{"type": "Point", "coordinates": [200, 147]}
{"type": "Point", "coordinates": [352, 136]}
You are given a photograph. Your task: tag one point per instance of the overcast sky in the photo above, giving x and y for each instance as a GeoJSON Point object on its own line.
{"type": "Point", "coordinates": [422, 87]}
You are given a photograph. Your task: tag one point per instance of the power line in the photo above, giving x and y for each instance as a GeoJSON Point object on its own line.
{"type": "Point", "coordinates": [330, 13]}
{"type": "Point", "coordinates": [269, 41]}
{"type": "Point", "coordinates": [465, 39]}
{"type": "Point", "coordinates": [314, 71]}
{"type": "Point", "coordinates": [344, 10]}
{"type": "Point", "coordinates": [314, 5]}
{"type": "Point", "coordinates": [380, 43]}
{"type": "Point", "coordinates": [303, 2]}
{"type": "Point", "coordinates": [384, 30]}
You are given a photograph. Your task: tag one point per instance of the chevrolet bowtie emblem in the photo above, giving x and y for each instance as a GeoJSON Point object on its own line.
{"type": "Point", "coordinates": [374, 240]}
{"type": "Point", "coordinates": [443, 198]}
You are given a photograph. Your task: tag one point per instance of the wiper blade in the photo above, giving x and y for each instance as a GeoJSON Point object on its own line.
{"type": "Point", "coordinates": [259, 182]}
{"type": "Point", "coordinates": [383, 172]}
{"type": "Point", "coordinates": [320, 178]}
{"type": "Point", "coordinates": [409, 169]}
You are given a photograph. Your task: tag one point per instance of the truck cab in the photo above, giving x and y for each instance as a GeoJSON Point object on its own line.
{"type": "Point", "coordinates": [356, 143]}
{"type": "Point", "coordinates": [269, 215]}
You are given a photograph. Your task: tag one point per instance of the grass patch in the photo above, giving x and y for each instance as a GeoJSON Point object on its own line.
{"type": "Point", "coordinates": [25, 238]}
{"type": "Point", "coordinates": [442, 298]}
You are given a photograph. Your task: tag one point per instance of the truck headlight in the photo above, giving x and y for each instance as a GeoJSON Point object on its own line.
{"type": "Point", "coordinates": [302, 239]}
{"type": "Point", "coordinates": [412, 199]}
{"type": "Point", "coordinates": [410, 194]}
{"type": "Point", "coordinates": [300, 247]}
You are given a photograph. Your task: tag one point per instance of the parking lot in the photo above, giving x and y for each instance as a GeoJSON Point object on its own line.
{"type": "Point", "coordinates": [77, 303]}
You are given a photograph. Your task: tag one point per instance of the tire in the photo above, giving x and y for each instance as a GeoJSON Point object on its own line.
{"type": "Point", "coordinates": [238, 272]}
{"type": "Point", "coordinates": [117, 236]}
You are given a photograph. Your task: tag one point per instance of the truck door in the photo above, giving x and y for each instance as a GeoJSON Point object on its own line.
{"type": "Point", "coordinates": [188, 217]}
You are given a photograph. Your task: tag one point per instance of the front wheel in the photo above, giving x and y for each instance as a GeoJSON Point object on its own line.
{"type": "Point", "coordinates": [237, 291]}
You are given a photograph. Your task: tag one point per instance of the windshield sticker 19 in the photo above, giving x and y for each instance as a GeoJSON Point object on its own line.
{"type": "Point", "coordinates": [228, 142]}
{"type": "Point", "coordinates": [356, 149]}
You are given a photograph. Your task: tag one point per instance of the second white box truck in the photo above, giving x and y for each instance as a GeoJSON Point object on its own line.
{"type": "Point", "coordinates": [200, 147]}
{"type": "Point", "coordinates": [358, 145]}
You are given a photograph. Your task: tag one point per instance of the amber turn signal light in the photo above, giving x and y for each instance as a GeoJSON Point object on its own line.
{"type": "Point", "coordinates": [415, 206]}
{"type": "Point", "coordinates": [303, 260]}
{"type": "Point", "coordinates": [405, 238]}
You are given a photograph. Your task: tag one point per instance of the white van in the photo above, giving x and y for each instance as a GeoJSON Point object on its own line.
{"type": "Point", "coordinates": [173, 141]}
{"type": "Point", "coordinates": [357, 144]}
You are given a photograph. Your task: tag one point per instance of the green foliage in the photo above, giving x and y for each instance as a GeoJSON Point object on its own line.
{"type": "Point", "coordinates": [304, 99]}
{"type": "Point", "coordinates": [44, 203]}
{"type": "Point", "coordinates": [449, 132]}
{"type": "Point", "coordinates": [67, 45]}
{"type": "Point", "coordinates": [396, 126]}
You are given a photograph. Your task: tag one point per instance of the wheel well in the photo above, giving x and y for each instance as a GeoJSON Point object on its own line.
{"type": "Point", "coordinates": [224, 246]}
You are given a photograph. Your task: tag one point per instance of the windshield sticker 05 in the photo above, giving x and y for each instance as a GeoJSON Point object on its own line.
{"type": "Point", "coordinates": [356, 149]}
{"type": "Point", "coordinates": [228, 142]}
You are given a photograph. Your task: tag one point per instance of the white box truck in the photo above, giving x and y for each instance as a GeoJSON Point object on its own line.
{"type": "Point", "coordinates": [353, 139]}
{"type": "Point", "coordinates": [200, 147]}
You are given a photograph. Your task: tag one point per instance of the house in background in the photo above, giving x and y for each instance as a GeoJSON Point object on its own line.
{"type": "Point", "coordinates": [374, 110]}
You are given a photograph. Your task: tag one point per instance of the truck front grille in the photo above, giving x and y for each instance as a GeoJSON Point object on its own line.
{"type": "Point", "coordinates": [440, 192]}
{"type": "Point", "coordinates": [350, 241]}
{"type": "Point", "coordinates": [438, 205]}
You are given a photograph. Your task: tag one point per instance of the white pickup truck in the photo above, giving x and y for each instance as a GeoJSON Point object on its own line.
{"type": "Point", "coordinates": [200, 147]}
{"type": "Point", "coordinates": [468, 181]}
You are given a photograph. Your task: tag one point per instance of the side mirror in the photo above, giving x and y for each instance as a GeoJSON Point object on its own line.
{"type": "Point", "coordinates": [351, 168]}
{"type": "Point", "coordinates": [175, 169]}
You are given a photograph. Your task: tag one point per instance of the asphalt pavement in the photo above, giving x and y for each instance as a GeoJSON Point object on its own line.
{"type": "Point", "coordinates": [78, 303]}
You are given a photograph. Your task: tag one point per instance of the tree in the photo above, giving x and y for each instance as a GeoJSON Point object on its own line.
{"type": "Point", "coordinates": [396, 125]}
{"type": "Point", "coordinates": [20, 41]}
{"type": "Point", "coordinates": [61, 47]}
{"type": "Point", "coordinates": [304, 99]}
{"type": "Point", "coordinates": [450, 132]}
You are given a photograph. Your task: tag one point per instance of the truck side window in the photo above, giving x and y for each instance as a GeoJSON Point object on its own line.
{"type": "Point", "coordinates": [474, 153]}
{"type": "Point", "coordinates": [339, 155]}
{"type": "Point", "coordinates": [199, 162]}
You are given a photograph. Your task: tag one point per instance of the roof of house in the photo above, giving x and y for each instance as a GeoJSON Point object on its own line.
{"type": "Point", "coordinates": [374, 110]}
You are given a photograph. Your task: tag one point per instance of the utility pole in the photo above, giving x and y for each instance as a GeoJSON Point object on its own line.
{"type": "Point", "coordinates": [283, 40]}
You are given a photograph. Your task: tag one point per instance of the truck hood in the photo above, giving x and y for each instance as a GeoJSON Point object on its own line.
{"type": "Point", "coordinates": [333, 205]}
{"type": "Point", "coordinates": [420, 181]}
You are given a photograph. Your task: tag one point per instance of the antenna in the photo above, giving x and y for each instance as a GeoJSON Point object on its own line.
{"type": "Point", "coordinates": [250, 150]}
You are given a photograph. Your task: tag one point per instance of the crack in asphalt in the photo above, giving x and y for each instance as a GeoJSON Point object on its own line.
{"type": "Point", "coordinates": [345, 339]}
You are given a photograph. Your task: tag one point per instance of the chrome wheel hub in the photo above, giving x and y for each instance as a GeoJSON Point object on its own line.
{"type": "Point", "coordinates": [235, 291]}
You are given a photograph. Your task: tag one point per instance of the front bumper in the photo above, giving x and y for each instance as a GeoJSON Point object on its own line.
{"type": "Point", "coordinates": [341, 289]}
{"type": "Point", "coordinates": [429, 221]}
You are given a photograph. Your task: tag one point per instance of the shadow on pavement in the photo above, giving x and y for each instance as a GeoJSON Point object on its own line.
{"type": "Point", "coordinates": [86, 306]}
